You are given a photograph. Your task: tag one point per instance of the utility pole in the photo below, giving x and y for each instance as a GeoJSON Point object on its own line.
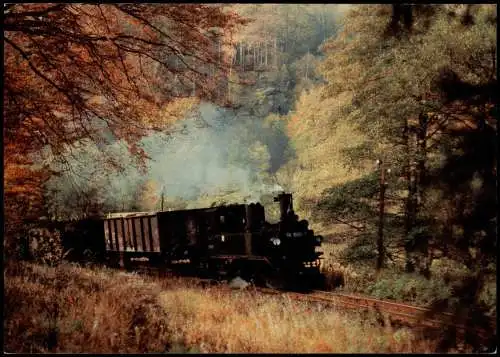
{"type": "Point", "coordinates": [380, 237]}
{"type": "Point", "coordinates": [162, 196]}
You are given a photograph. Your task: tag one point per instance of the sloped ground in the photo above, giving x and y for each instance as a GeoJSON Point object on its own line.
{"type": "Point", "coordinates": [73, 309]}
{"type": "Point", "coordinates": [393, 283]}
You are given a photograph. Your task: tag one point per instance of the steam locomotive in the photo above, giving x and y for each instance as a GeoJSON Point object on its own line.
{"type": "Point", "coordinates": [216, 242]}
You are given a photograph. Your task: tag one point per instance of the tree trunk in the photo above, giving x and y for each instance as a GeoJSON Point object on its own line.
{"type": "Point", "coordinates": [410, 201]}
{"type": "Point", "coordinates": [219, 52]}
{"type": "Point", "coordinates": [323, 23]}
{"type": "Point", "coordinates": [254, 56]}
{"type": "Point", "coordinates": [421, 155]}
{"type": "Point", "coordinates": [265, 50]}
{"type": "Point", "coordinates": [286, 31]}
{"type": "Point", "coordinates": [421, 177]}
{"type": "Point", "coordinates": [276, 53]}
{"type": "Point", "coordinates": [380, 238]}
{"type": "Point", "coordinates": [249, 53]}
{"type": "Point", "coordinates": [307, 65]}
{"type": "Point", "coordinates": [242, 56]}
{"type": "Point", "coordinates": [416, 176]}
{"type": "Point", "coordinates": [259, 53]}
{"type": "Point", "coordinates": [229, 85]}
{"type": "Point", "coordinates": [262, 52]}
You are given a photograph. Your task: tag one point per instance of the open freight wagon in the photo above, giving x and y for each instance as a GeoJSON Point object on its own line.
{"type": "Point", "coordinates": [190, 236]}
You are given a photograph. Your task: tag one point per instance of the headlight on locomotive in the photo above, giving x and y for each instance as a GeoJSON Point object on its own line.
{"type": "Point", "coordinates": [275, 241]}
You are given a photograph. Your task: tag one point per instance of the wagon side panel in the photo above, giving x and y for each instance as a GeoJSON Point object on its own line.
{"type": "Point", "coordinates": [155, 234]}
{"type": "Point", "coordinates": [107, 236]}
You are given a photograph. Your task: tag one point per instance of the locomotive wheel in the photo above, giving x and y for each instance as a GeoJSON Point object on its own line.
{"type": "Point", "coordinates": [274, 280]}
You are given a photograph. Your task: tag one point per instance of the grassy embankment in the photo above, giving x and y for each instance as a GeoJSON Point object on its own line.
{"type": "Point", "coordinates": [75, 309]}
{"type": "Point", "coordinates": [393, 283]}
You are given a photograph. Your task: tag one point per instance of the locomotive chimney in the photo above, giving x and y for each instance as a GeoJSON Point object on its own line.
{"type": "Point", "coordinates": [286, 204]}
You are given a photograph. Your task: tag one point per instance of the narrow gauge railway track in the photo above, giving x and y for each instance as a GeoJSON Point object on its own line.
{"type": "Point", "coordinates": [405, 314]}
{"type": "Point", "coordinates": [396, 312]}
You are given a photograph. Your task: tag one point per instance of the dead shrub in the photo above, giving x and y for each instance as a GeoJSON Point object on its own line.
{"type": "Point", "coordinates": [45, 246]}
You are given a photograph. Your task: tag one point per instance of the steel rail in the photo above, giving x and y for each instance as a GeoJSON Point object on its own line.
{"type": "Point", "coordinates": [414, 315]}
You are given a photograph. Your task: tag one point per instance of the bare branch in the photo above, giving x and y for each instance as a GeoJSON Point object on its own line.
{"type": "Point", "coordinates": [54, 8]}
{"type": "Point", "coordinates": [32, 66]}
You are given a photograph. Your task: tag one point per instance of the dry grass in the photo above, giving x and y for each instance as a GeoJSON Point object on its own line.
{"type": "Point", "coordinates": [73, 309]}
{"type": "Point", "coordinates": [244, 322]}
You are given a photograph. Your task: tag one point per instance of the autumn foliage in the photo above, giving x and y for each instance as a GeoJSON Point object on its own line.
{"type": "Point", "coordinates": [101, 72]}
{"type": "Point", "coordinates": [23, 194]}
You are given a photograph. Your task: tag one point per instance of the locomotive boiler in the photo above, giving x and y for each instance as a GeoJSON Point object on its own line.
{"type": "Point", "coordinates": [215, 242]}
